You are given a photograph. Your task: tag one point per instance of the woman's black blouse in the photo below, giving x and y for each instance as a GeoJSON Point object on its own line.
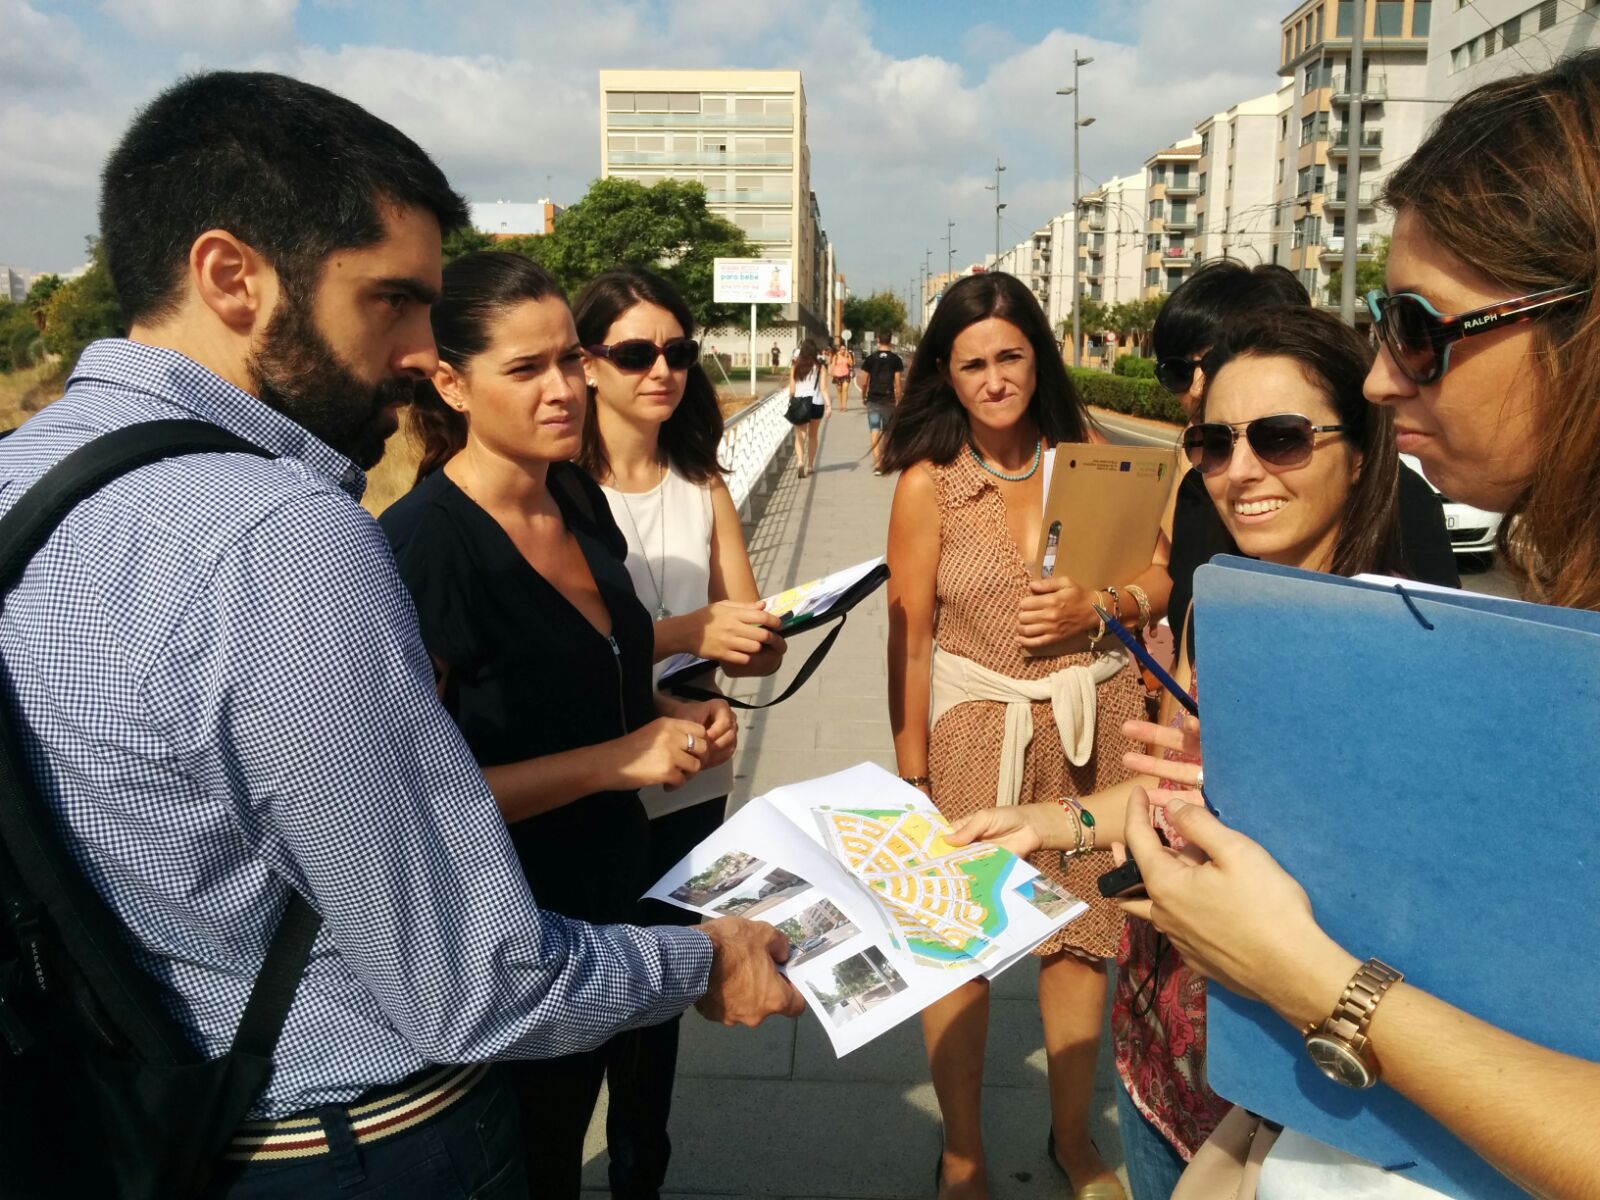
{"type": "Point", "coordinates": [528, 675]}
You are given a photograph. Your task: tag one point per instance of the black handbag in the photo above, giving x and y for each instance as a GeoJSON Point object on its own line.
{"type": "Point", "coordinates": [101, 1092]}
{"type": "Point", "coordinates": [799, 410]}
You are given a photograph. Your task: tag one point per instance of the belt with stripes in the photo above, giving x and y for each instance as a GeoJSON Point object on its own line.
{"type": "Point", "coordinates": [306, 1137]}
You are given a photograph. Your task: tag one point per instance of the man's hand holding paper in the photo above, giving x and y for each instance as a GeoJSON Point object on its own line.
{"type": "Point", "coordinates": [745, 986]}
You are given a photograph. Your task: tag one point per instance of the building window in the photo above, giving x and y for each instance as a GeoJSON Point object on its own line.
{"type": "Point", "coordinates": [1344, 21]}
{"type": "Point", "coordinates": [1421, 18]}
{"type": "Point", "coordinates": [619, 101]}
{"type": "Point", "coordinates": [1152, 277]}
{"type": "Point", "coordinates": [1205, 144]}
{"type": "Point", "coordinates": [1152, 243]}
{"type": "Point", "coordinates": [1319, 25]}
{"type": "Point", "coordinates": [1283, 128]}
{"type": "Point", "coordinates": [1280, 170]}
{"type": "Point", "coordinates": [714, 104]}
{"type": "Point", "coordinates": [1511, 32]}
{"type": "Point", "coordinates": [1202, 182]}
{"type": "Point", "coordinates": [1174, 278]}
{"type": "Point", "coordinates": [1158, 174]}
{"type": "Point", "coordinates": [1157, 209]}
{"type": "Point", "coordinates": [653, 102]}
{"type": "Point", "coordinates": [1547, 15]}
{"type": "Point", "coordinates": [1389, 20]}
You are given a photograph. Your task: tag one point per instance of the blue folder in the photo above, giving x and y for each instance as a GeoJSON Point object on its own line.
{"type": "Point", "coordinates": [1466, 726]}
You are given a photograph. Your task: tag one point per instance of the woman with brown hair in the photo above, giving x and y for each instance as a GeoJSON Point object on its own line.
{"type": "Point", "coordinates": [977, 652]}
{"type": "Point", "coordinates": [1490, 362]}
{"type": "Point", "coordinates": [805, 380]}
{"type": "Point", "coordinates": [524, 602]}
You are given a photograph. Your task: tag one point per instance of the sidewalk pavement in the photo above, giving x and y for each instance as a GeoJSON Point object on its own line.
{"type": "Point", "coordinates": [770, 1113]}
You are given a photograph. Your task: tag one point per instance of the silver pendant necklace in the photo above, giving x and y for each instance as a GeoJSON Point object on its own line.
{"type": "Point", "coordinates": [662, 612]}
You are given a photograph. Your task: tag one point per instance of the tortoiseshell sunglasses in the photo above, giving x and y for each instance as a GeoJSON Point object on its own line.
{"type": "Point", "coordinates": [1418, 336]}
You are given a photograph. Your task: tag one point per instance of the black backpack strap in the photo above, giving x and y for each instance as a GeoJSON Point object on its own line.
{"type": "Point", "coordinates": [807, 668]}
{"type": "Point", "coordinates": [42, 879]}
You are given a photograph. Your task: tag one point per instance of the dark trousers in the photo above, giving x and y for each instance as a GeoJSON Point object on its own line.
{"type": "Point", "coordinates": [642, 1064]}
{"type": "Point", "coordinates": [473, 1149]}
{"type": "Point", "coordinates": [557, 1097]}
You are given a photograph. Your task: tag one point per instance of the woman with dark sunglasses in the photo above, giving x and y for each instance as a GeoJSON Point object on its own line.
{"type": "Point", "coordinates": [652, 444]}
{"type": "Point", "coordinates": [523, 598]}
{"type": "Point", "coordinates": [1494, 213]}
{"type": "Point", "coordinates": [1302, 471]}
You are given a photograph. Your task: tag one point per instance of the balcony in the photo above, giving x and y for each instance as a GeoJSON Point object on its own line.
{"type": "Point", "coordinates": [1333, 249]}
{"type": "Point", "coordinates": [1176, 223]}
{"type": "Point", "coordinates": [1096, 224]}
{"type": "Point", "coordinates": [1377, 90]}
{"type": "Point", "coordinates": [1096, 249]}
{"type": "Point", "coordinates": [622, 120]}
{"type": "Point", "coordinates": [1368, 195]}
{"type": "Point", "coordinates": [1371, 142]}
{"type": "Point", "coordinates": [783, 198]}
{"type": "Point", "coordinates": [704, 158]}
{"type": "Point", "coordinates": [1092, 271]}
{"type": "Point", "coordinates": [1173, 258]}
{"type": "Point", "coordinates": [1186, 188]}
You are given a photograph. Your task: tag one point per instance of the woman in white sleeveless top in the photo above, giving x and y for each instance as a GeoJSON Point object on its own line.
{"type": "Point", "coordinates": [651, 442]}
{"type": "Point", "coordinates": [805, 379]}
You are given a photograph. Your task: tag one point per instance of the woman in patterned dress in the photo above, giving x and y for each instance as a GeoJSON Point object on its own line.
{"type": "Point", "coordinates": [987, 395]}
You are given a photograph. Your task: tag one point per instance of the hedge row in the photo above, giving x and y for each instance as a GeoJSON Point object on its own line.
{"type": "Point", "coordinates": [1131, 366]}
{"type": "Point", "coordinates": [1137, 397]}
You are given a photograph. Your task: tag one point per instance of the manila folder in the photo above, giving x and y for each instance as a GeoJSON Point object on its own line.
{"type": "Point", "coordinates": [1109, 501]}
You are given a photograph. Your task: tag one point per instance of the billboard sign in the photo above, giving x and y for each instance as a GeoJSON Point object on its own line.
{"type": "Point", "coordinates": [753, 281]}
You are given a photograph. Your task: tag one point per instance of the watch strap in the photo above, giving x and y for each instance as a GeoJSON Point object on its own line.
{"type": "Point", "coordinates": [1359, 1000]}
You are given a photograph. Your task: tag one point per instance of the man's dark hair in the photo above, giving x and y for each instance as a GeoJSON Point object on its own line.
{"type": "Point", "coordinates": [1194, 316]}
{"type": "Point", "coordinates": [885, 338]}
{"type": "Point", "coordinates": [290, 169]}
{"type": "Point", "coordinates": [929, 423]}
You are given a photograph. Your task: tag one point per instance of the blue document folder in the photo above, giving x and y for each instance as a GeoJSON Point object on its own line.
{"type": "Point", "coordinates": [1423, 763]}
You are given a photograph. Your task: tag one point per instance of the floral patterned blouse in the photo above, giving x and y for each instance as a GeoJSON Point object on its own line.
{"type": "Point", "coordinates": [1158, 1026]}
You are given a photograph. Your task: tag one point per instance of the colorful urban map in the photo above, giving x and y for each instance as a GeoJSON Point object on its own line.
{"type": "Point", "coordinates": [946, 902]}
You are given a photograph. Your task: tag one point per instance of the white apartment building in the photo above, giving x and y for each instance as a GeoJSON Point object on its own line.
{"type": "Point", "coordinates": [14, 284]}
{"type": "Point", "coordinates": [1111, 234]}
{"type": "Point", "coordinates": [1480, 40]}
{"type": "Point", "coordinates": [1238, 165]}
{"type": "Point", "coordinates": [1313, 141]}
{"type": "Point", "coordinates": [742, 134]}
{"type": "Point", "coordinates": [1172, 178]}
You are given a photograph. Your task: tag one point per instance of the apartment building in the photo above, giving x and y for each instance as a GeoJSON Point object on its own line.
{"type": "Point", "coordinates": [1111, 232]}
{"type": "Point", "coordinates": [1030, 260]}
{"type": "Point", "coordinates": [1481, 40]}
{"type": "Point", "coordinates": [1237, 185]}
{"type": "Point", "coordinates": [742, 134]}
{"type": "Point", "coordinates": [1172, 178]}
{"type": "Point", "coordinates": [1313, 138]}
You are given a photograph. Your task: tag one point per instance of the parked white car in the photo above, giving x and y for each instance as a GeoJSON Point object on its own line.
{"type": "Point", "coordinates": [1472, 530]}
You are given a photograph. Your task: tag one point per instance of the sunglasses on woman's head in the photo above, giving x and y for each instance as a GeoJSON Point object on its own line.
{"type": "Point", "coordinates": [1418, 336]}
{"type": "Point", "coordinates": [1176, 372]}
{"type": "Point", "coordinates": [1282, 440]}
{"type": "Point", "coordinates": [639, 354]}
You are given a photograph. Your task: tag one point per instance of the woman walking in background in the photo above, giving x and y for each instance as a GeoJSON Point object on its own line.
{"type": "Point", "coordinates": [543, 652]}
{"type": "Point", "coordinates": [842, 365]}
{"type": "Point", "coordinates": [652, 444]}
{"type": "Point", "coordinates": [805, 380]}
{"type": "Point", "coordinates": [987, 394]}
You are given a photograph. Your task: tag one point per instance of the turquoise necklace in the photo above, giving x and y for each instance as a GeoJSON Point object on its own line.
{"type": "Point", "coordinates": [1038, 455]}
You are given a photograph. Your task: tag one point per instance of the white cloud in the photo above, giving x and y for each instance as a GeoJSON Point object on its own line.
{"type": "Point", "coordinates": [207, 24]}
{"type": "Point", "coordinates": [38, 50]}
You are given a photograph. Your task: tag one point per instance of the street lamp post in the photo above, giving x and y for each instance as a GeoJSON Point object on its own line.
{"type": "Point", "coordinates": [995, 188]}
{"type": "Point", "coordinates": [1077, 124]}
{"type": "Point", "coordinates": [949, 249]}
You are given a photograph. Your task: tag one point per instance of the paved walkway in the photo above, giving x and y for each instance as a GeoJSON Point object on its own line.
{"type": "Point", "coordinates": [770, 1113]}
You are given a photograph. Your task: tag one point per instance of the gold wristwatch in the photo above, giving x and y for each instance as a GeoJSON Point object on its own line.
{"type": "Point", "coordinates": [1339, 1045]}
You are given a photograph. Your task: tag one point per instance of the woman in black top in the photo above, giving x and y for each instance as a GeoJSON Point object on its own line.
{"type": "Point", "coordinates": [543, 651]}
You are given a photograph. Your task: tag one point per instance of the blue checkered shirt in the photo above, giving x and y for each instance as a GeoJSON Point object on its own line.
{"type": "Point", "coordinates": [225, 695]}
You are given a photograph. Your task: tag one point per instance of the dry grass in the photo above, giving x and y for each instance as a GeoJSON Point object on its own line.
{"type": "Point", "coordinates": [23, 393]}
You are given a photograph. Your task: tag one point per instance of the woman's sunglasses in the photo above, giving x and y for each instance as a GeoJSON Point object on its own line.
{"type": "Point", "coordinates": [637, 354]}
{"type": "Point", "coordinates": [1282, 440]}
{"type": "Point", "coordinates": [1176, 372]}
{"type": "Point", "coordinates": [1418, 336]}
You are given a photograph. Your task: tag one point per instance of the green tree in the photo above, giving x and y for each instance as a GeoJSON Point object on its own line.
{"type": "Point", "coordinates": [41, 290]}
{"type": "Point", "coordinates": [1132, 320]}
{"type": "Point", "coordinates": [666, 227]}
{"type": "Point", "coordinates": [464, 241]}
{"type": "Point", "coordinates": [881, 312]}
{"type": "Point", "coordinates": [1369, 274]}
{"type": "Point", "coordinates": [20, 344]}
{"type": "Point", "coordinates": [81, 310]}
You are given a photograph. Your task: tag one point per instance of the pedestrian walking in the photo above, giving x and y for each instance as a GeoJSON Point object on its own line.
{"type": "Point", "coordinates": [840, 365]}
{"type": "Point", "coordinates": [805, 380]}
{"type": "Point", "coordinates": [882, 375]}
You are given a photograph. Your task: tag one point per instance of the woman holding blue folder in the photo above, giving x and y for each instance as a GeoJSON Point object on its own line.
{"type": "Point", "coordinates": [1490, 362]}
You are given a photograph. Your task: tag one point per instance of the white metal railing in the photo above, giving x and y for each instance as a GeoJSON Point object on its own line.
{"type": "Point", "coordinates": [750, 440]}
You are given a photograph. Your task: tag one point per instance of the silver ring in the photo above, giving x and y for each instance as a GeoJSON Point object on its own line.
{"type": "Point", "coordinates": [1199, 777]}
{"type": "Point", "coordinates": [690, 746]}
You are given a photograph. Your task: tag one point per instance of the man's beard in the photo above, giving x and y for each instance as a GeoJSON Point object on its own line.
{"type": "Point", "coordinates": [298, 373]}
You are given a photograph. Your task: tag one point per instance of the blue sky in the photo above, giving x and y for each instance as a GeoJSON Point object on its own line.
{"type": "Point", "coordinates": [909, 102]}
